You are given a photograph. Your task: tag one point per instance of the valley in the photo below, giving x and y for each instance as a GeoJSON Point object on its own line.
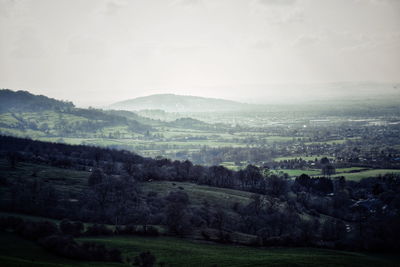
{"type": "Point", "coordinates": [283, 187]}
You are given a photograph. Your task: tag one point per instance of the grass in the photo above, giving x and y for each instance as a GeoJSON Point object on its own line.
{"type": "Point", "coordinates": [356, 176]}
{"type": "Point", "coordinates": [176, 252]}
{"type": "Point", "coordinates": [183, 252]}
{"type": "Point", "coordinates": [222, 197]}
{"type": "Point", "coordinates": [331, 142]}
{"type": "Point", "coordinates": [64, 179]}
{"type": "Point", "coordinates": [72, 181]}
{"type": "Point", "coordinates": [142, 145]}
{"type": "Point", "coordinates": [351, 173]}
{"type": "Point", "coordinates": [25, 133]}
{"type": "Point", "coordinates": [297, 172]}
{"type": "Point", "coordinates": [27, 217]}
{"type": "Point", "coordinates": [15, 251]}
{"type": "Point", "coordinates": [307, 158]}
{"type": "Point", "coordinates": [350, 169]}
{"type": "Point", "coordinates": [279, 138]}
{"type": "Point", "coordinates": [232, 166]}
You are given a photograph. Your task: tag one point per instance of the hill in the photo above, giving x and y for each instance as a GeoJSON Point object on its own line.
{"type": "Point", "coordinates": [26, 114]}
{"type": "Point", "coordinates": [180, 103]}
{"type": "Point", "coordinates": [23, 101]}
{"type": "Point", "coordinates": [115, 194]}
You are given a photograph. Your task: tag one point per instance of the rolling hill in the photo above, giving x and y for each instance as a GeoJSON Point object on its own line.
{"type": "Point", "coordinates": [26, 114]}
{"type": "Point", "coordinates": [180, 103]}
{"type": "Point", "coordinates": [23, 101]}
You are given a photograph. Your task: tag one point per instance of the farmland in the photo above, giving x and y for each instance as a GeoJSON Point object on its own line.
{"type": "Point", "coordinates": [280, 139]}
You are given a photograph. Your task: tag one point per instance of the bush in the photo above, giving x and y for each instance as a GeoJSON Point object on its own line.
{"type": "Point", "coordinates": [205, 235]}
{"type": "Point", "coordinates": [145, 259]}
{"type": "Point", "coordinates": [135, 230]}
{"type": "Point", "coordinates": [36, 230]}
{"type": "Point", "coordinates": [98, 229]}
{"type": "Point", "coordinates": [10, 223]}
{"type": "Point", "coordinates": [71, 228]}
{"type": "Point", "coordinates": [66, 246]}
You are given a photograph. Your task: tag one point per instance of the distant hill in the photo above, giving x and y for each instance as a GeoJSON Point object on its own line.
{"type": "Point", "coordinates": [23, 101]}
{"type": "Point", "coordinates": [26, 114]}
{"type": "Point", "coordinates": [180, 103]}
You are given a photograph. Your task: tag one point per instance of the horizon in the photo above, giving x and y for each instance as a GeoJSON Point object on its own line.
{"type": "Point", "coordinates": [264, 99]}
{"type": "Point", "coordinates": [114, 50]}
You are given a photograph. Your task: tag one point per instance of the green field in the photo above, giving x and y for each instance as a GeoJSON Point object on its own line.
{"type": "Point", "coordinates": [351, 173]}
{"type": "Point", "coordinates": [222, 197]}
{"type": "Point", "coordinates": [232, 166]}
{"type": "Point", "coordinates": [15, 251]}
{"type": "Point", "coordinates": [181, 252]}
{"type": "Point", "coordinates": [63, 179]}
{"type": "Point", "coordinates": [163, 140]}
{"type": "Point", "coordinates": [351, 169]}
{"type": "Point", "coordinates": [368, 173]}
{"type": "Point", "coordinates": [300, 172]}
{"type": "Point", "coordinates": [306, 158]}
{"type": "Point", "coordinates": [331, 142]}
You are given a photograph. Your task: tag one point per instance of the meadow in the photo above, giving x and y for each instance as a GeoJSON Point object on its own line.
{"type": "Point", "coordinates": [15, 251]}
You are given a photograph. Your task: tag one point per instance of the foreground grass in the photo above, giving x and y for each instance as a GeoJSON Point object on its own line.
{"type": "Point", "coordinates": [182, 252]}
{"type": "Point", "coordinates": [15, 251]}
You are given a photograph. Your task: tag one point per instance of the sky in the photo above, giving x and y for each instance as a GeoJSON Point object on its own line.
{"type": "Point", "coordinates": [95, 52]}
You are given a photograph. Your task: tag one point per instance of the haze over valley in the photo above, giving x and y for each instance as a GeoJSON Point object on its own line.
{"type": "Point", "coordinates": [200, 133]}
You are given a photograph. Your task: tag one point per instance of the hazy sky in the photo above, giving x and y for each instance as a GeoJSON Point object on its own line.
{"type": "Point", "coordinates": [95, 51]}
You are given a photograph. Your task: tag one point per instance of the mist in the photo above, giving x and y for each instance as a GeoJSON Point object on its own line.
{"type": "Point", "coordinates": [99, 52]}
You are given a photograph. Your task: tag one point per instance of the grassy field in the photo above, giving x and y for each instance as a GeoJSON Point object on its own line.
{"type": "Point", "coordinates": [222, 197]}
{"type": "Point", "coordinates": [15, 251]}
{"type": "Point", "coordinates": [307, 158]}
{"type": "Point", "coordinates": [232, 166]}
{"type": "Point", "coordinates": [351, 173]}
{"type": "Point", "coordinates": [296, 172]}
{"type": "Point", "coordinates": [356, 176]}
{"type": "Point", "coordinates": [351, 169]}
{"type": "Point", "coordinates": [62, 179]}
{"type": "Point", "coordinates": [164, 141]}
{"type": "Point", "coordinates": [27, 217]}
{"type": "Point", "coordinates": [181, 252]}
{"type": "Point", "coordinates": [331, 142]}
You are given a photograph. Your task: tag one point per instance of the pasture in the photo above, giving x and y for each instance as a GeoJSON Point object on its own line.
{"type": "Point", "coordinates": [183, 252]}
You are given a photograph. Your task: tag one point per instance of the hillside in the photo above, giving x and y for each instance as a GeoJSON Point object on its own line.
{"type": "Point", "coordinates": [23, 101]}
{"type": "Point", "coordinates": [111, 191]}
{"type": "Point", "coordinates": [40, 117]}
{"type": "Point", "coordinates": [37, 116]}
{"type": "Point", "coordinates": [180, 103]}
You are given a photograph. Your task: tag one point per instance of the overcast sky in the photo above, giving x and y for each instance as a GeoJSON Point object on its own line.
{"type": "Point", "coordinates": [97, 52]}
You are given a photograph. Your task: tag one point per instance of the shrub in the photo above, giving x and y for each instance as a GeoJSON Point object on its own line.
{"type": "Point", "coordinates": [145, 259]}
{"type": "Point", "coordinates": [10, 222]}
{"type": "Point", "coordinates": [36, 230]}
{"type": "Point", "coordinates": [66, 246]}
{"type": "Point", "coordinates": [98, 229]}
